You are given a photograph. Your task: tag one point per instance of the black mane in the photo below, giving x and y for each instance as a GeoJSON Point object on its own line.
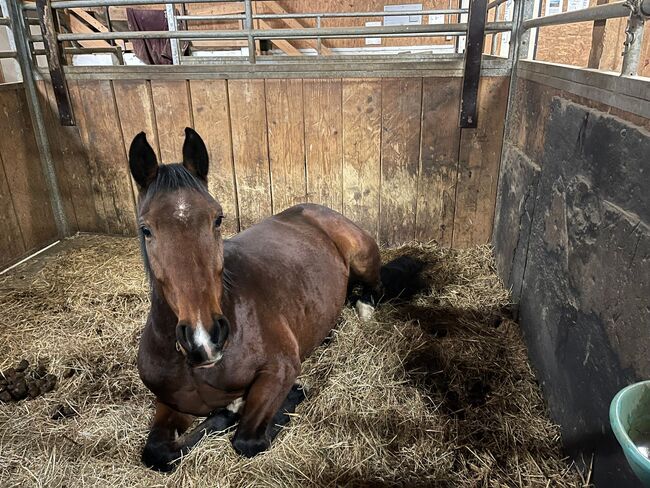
{"type": "Point", "coordinates": [173, 177]}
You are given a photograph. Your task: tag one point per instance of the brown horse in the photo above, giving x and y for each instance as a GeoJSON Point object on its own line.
{"type": "Point", "coordinates": [231, 321]}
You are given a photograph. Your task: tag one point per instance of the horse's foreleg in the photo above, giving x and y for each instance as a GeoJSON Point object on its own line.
{"type": "Point", "coordinates": [163, 447]}
{"type": "Point", "coordinates": [268, 401]}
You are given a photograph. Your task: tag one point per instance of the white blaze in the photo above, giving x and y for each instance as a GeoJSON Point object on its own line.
{"type": "Point", "coordinates": [202, 338]}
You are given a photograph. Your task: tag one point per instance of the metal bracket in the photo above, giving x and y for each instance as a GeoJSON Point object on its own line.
{"type": "Point", "coordinates": [49, 28]}
{"type": "Point", "coordinates": [473, 55]}
{"type": "Point", "coordinates": [633, 38]}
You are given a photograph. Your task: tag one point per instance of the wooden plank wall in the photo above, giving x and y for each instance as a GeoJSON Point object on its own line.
{"type": "Point", "coordinates": [26, 219]}
{"type": "Point", "coordinates": [387, 152]}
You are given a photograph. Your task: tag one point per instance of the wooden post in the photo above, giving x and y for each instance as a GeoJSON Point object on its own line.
{"type": "Point", "coordinates": [597, 40]}
{"type": "Point", "coordinates": [49, 28]}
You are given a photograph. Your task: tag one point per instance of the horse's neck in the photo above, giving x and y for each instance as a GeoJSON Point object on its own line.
{"type": "Point", "coordinates": [163, 319]}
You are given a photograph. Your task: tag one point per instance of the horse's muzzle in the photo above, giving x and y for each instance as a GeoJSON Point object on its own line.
{"type": "Point", "coordinates": [202, 348]}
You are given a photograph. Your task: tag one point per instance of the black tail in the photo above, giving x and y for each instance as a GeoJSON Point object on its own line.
{"type": "Point", "coordinates": [400, 278]}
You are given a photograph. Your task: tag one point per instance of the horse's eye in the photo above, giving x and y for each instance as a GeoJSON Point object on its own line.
{"type": "Point", "coordinates": [217, 221]}
{"type": "Point", "coordinates": [145, 231]}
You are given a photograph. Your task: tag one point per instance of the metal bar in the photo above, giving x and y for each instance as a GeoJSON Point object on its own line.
{"type": "Point", "coordinates": [321, 14]}
{"type": "Point", "coordinates": [211, 17]}
{"type": "Point", "coordinates": [4, 21]}
{"type": "Point", "coordinates": [473, 57]}
{"type": "Point", "coordinates": [633, 40]}
{"type": "Point", "coordinates": [493, 45]}
{"type": "Point", "coordinates": [8, 54]}
{"type": "Point", "coordinates": [429, 30]}
{"type": "Point", "coordinates": [48, 20]}
{"type": "Point", "coordinates": [81, 50]}
{"type": "Point", "coordinates": [173, 27]}
{"type": "Point", "coordinates": [248, 27]}
{"type": "Point", "coordinates": [47, 162]}
{"type": "Point", "coordinates": [319, 40]}
{"type": "Point", "coordinates": [58, 4]}
{"type": "Point", "coordinates": [598, 12]}
{"type": "Point", "coordinates": [325, 15]}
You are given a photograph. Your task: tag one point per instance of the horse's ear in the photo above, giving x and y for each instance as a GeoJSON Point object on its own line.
{"type": "Point", "coordinates": [195, 155]}
{"type": "Point", "coordinates": [142, 161]}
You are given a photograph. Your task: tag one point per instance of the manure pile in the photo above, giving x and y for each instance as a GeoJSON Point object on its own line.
{"type": "Point", "coordinates": [433, 392]}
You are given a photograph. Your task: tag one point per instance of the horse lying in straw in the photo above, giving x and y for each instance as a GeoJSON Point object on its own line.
{"type": "Point", "coordinates": [231, 321]}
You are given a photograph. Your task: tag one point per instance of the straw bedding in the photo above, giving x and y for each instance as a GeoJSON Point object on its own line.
{"type": "Point", "coordinates": [433, 392]}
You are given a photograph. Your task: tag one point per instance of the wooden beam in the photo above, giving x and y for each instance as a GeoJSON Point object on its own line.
{"type": "Point", "coordinates": [76, 25]}
{"type": "Point", "coordinates": [294, 24]}
{"type": "Point", "coordinates": [49, 28]}
{"type": "Point", "coordinates": [597, 40]}
{"type": "Point", "coordinates": [89, 19]}
{"type": "Point", "coordinates": [282, 44]}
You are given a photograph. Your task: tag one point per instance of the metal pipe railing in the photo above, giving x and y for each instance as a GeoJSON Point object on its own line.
{"type": "Point", "coordinates": [324, 15]}
{"type": "Point", "coordinates": [598, 12]}
{"type": "Point", "coordinates": [429, 30]}
{"type": "Point", "coordinates": [59, 4]}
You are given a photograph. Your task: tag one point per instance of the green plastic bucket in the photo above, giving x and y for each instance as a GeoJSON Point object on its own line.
{"type": "Point", "coordinates": [629, 415]}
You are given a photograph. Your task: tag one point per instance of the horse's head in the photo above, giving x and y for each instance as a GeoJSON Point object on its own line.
{"type": "Point", "coordinates": [181, 237]}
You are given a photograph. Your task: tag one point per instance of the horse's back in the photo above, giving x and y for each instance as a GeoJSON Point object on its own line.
{"type": "Point", "coordinates": [297, 264]}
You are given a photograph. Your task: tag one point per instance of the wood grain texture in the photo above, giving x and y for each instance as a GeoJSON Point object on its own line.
{"type": "Point", "coordinates": [23, 171]}
{"type": "Point", "coordinates": [323, 141]}
{"type": "Point", "coordinates": [12, 245]}
{"type": "Point", "coordinates": [362, 152]}
{"type": "Point", "coordinates": [136, 114]}
{"type": "Point", "coordinates": [400, 153]}
{"type": "Point", "coordinates": [57, 138]}
{"type": "Point", "coordinates": [173, 114]}
{"type": "Point", "coordinates": [212, 122]}
{"type": "Point", "coordinates": [480, 153]}
{"type": "Point", "coordinates": [98, 122]}
{"type": "Point", "coordinates": [250, 150]}
{"type": "Point", "coordinates": [72, 166]}
{"type": "Point", "coordinates": [286, 132]}
{"type": "Point", "coordinates": [438, 160]}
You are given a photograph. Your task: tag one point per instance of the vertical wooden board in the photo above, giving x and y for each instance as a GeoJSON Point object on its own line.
{"type": "Point", "coordinates": [11, 239]}
{"type": "Point", "coordinates": [57, 146]}
{"type": "Point", "coordinates": [98, 122]}
{"type": "Point", "coordinates": [211, 121]}
{"type": "Point", "coordinates": [250, 150]}
{"type": "Point", "coordinates": [172, 110]}
{"type": "Point", "coordinates": [480, 153]}
{"type": "Point", "coordinates": [401, 101]}
{"type": "Point", "coordinates": [362, 152]}
{"type": "Point", "coordinates": [438, 160]}
{"type": "Point", "coordinates": [323, 141]}
{"type": "Point", "coordinates": [23, 170]}
{"type": "Point", "coordinates": [73, 167]}
{"type": "Point", "coordinates": [284, 112]}
{"type": "Point", "coordinates": [135, 110]}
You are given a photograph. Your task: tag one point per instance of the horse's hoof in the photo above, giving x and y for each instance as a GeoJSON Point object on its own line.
{"type": "Point", "coordinates": [158, 460]}
{"type": "Point", "coordinates": [250, 447]}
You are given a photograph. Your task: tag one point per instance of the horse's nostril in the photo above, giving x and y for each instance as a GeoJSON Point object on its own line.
{"type": "Point", "coordinates": [220, 330]}
{"type": "Point", "coordinates": [183, 337]}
